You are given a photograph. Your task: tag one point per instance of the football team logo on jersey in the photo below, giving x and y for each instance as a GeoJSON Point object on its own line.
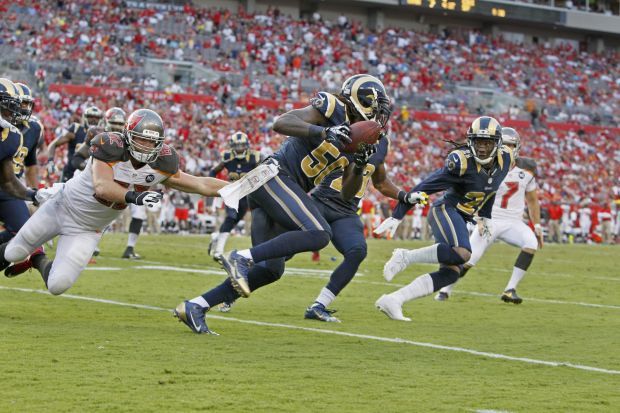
{"type": "Point", "coordinates": [150, 178]}
{"type": "Point", "coordinates": [521, 174]}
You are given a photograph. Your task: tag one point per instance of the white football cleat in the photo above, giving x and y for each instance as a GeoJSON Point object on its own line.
{"type": "Point", "coordinates": [395, 264]}
{"type": "Point", "coordinates": [391, 308]}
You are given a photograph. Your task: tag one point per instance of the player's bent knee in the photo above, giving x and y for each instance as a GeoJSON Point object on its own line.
{"type": "Point", "coordinates": [530, 249]}
{"type": "Point", "coordinates": [15, 252]}
{"type": "Point", "coordinates": [464, 254]}
{"type": "Point", "coordinates": [357, 253]}
{"type": "Point", "coordinates": [58, 285]}
{"type": "Point", "coordinates": [320, 239]}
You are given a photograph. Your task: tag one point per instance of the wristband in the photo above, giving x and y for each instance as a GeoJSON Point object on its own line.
{"type": "Point", "coordinates": [130, 197]}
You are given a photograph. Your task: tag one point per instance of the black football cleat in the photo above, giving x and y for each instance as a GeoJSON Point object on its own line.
{"type": "Point", "coordinates": [129, 254]}
{"type": "Point", "coordinates": [510, 296]}
{"type": "Point", "coordinates": [193, 316]}
{"type": "Point", "coordinates": [317, 311]}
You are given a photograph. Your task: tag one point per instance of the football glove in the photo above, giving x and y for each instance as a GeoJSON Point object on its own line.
{"type": "Point", "coordinates": [148, 198]}
{"type": "Point", "coordinates": [363, 154]}
{"type": "Point", "coordinates": [389, 225]}
{"type": "Point", "coordinates": [413, 198]}
{"type": "Point", "coordinates": [339, 136]}
{"type": "Point", "coordinates": [44, 194]}
{"type": "Point", "coordinates": [485, 227]}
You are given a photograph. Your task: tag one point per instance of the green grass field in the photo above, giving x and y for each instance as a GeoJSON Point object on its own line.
{"type": "Point", "coordinates": [111, 344]}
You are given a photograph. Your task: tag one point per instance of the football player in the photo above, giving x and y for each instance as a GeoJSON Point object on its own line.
{"type": "Point", "coordinates": [15, 212]}
{"type": "Point", "coordinates": [76, 134]}
{"type": "Point", "coordinates": [285, 220]}
{"type": "Point", "coordinates": [238, 161]}
{"type": "Point", "coordinates": [516, 191]}
{"type": "Point", "coordinates": [470, 178]}
{"type": "Point", "coordinates": [121, 171]}
{"type": "Point", "coordinates": [12, 151]}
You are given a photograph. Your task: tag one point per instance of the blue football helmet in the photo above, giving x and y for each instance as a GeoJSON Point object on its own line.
{"type": "Point", "coordinates": [366, 98]}
{"type": "Point", "coordinates": [484, 128]}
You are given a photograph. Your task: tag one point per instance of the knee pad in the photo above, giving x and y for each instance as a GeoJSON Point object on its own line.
{"type": "Point", "coordinates": [58, 284]}
{"type": "Point", "coordinates": [15, 252]}
{"type": "Point", "coordinates": [524, 260]}
{"type": "Point", "coordinates": [321, 238]}
{"type": "Point", "coordinates": [357, 253]}
{"type": "Point", "coordinates": [447, 255]}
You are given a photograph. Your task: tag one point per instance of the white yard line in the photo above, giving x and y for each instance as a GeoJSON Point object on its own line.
{"type": "Point", "coordinates": [394, 340]}
{"type": "Point", "coordinates": [300, 272]}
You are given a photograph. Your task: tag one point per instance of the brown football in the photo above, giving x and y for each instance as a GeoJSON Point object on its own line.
{"type": "Point", "coordinates": [367, 131]}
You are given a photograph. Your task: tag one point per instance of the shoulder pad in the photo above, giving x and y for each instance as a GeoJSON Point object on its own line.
{"type": "Point", "coordinates": [255, 156]}
{"type": "Point", "coordinates": [107, 147]}
{"type": "Point", "coordinates": [528, 164]}
{"type": "Point", "coordinates": [92, 132]}
{"type": "Point", "coordinates": [456, 162]}
{"type": "Point", "coordinates": [330, 107]}
{"type": "Point", "coordinates": [6, 125]}
{"type": "Point", "coordinates": [73, 128]}
{"type": "Point", "coordinates": [227, 156]}
{"type": "Point", "coordinates": [167, 162]}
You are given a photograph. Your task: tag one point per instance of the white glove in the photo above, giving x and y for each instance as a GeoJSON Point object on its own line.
{"type": "Point", "coordinates": [485, 227]}
{"type": "Point", "coordinates": [416, 198]}
{"type": "Point", "coordinates": [539, 235]}
{"type": "Point", "coordinates": [150, 198]}
{"type": "Point", "coordinates": [389, 225]}
{"type": "Point", "coordinates": [44, 194]}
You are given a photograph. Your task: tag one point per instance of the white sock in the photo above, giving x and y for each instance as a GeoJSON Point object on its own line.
{"type": "Point", "coordinates": [420, 287]}
{"type": "Point", "coordinates": [221, 242]}
{"type": "Point", "coordinates": [214, 236]}
{"type": "Point", "coordinates": [245, 254]}
{"type": "Point", "coordinates": [200, 301]}
{"type": "Point", "coordinates": [448, 289]}
{"type": "Point", "coordinates": [426, 255]}
{"type": "Point", "coordinates": [517, 275]}
{"type": "Point", "coordinates": [325, 297]}
{"type": "Point", "coordinates": [132, 239]}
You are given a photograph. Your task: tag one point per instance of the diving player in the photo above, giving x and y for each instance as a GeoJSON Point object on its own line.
{"type": "Point", "coordinates": [238, 161]}
{"type": "Point", "coordinates": [285, 220]}
{"type": "Point", "coordinates": [470, 178]}
{"type": "Point", "coordinates": [120, 171]}
{"type": "Point", "coordinates": [516, 191]}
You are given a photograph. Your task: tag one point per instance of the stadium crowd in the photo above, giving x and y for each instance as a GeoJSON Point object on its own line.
{"type": "Point", "coordinates": [279, 57]}
{"type": "Point", "coordinates": [104, 44]}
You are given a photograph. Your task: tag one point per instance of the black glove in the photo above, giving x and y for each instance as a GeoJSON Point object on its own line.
{"type": "Point", "coordinates": [361, 157]}
{"type": "Point", "coordinates": [31, 195]}
{"type": "Point", "coordinates": [148, 198]}
{"type": "Point", "coordinates": [338, 135]}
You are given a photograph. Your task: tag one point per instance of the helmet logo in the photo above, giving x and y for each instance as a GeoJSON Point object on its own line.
{"type": "Point", "coordinates": [134, 121]}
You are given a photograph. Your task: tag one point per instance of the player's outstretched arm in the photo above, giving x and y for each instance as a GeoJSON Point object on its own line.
{"type": "Point", "coordinates": [11, 185]}
{"type": "Point", "coordinates": [205, 186]}
{"type": "Point", "coordinates": [103, 181]}
{"type": "Point", "coordinates": [303, 123]}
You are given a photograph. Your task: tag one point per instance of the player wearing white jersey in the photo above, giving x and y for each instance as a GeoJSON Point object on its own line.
{"type": "Point", "coordinates": [121, 169]}
{"type": "Point", "coordinates": [518, 189]}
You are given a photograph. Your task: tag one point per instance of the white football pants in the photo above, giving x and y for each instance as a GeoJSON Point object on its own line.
{"type": "Point", "coordinates": [74, 249]}
{"type": "Point", "coordinates": [511, 231]}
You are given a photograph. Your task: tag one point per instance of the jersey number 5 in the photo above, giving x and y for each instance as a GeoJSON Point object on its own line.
{"type": "Point", "coordinates": [317, 165]}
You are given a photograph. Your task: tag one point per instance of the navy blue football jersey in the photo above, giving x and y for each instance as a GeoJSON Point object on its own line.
{"type": "Point", "coordinates": [328, 192]}
{"type": "Point", "coordinates": [32, 132]}
{"type": "Point", "coordinates": [236, 167]}
{"type": "Point", "coordinates": [309, 161]}
{"type": "Point", "coordinates": [12, 147]}
{"type": "Point", "coordinates": [469, 187]}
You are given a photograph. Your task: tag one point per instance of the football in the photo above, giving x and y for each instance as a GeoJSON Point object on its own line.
{"type": "Point", "coordinates": [367, 131]}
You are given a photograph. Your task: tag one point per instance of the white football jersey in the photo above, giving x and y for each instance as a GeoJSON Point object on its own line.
{"type": "Point", "coordinates": [510, 197]}
{"type": "Point", "coordinates": [96, 213]}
